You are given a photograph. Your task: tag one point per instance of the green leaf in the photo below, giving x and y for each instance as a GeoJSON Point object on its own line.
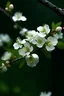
{"type": "Point", "coordinates": [8, 3]}
{"type": "Point", "coordinates": [60, 45]}
{"type": "Point", "coordinates": [53, 25]}
{"type": "Point", "coordinates": [22, 63]}
{"type": "Point", "coordinates": [47, 53]}
{"type": "Point", "coordinates": [58, 24]}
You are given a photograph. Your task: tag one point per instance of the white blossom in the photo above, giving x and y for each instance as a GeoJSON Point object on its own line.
{"type": "Point", "coordinates": [45, 94]}
{"type": "Point", "coordinates": [5, 38]}
{"type": "Point", "coordinates": [19, 43]}
{"type": "Point", "coordinates": [6, 56]}
{"type": "Point", "coordinates": [31, 34]}
{"type": "Point", "coordinates": [26, 49]}
{"type": "Point", "coordinates": [4, 68]}
{"type": "Point", "coordinates": [59, 28]}
{"type": "Point", "coordinates": [58, 35]}
{"type": "Point", "coordinates": [32, 60]}
{"type": "Point", "coordinates": [50, 43]}
{"type": "Point", "coordinates": [18, 17]}
{"type": "Point", "coordinates": [23, 31]}
{"type": "Point", "coordinates": [43, 30]}
{"type": "Point", "coordinates": [39, 41]}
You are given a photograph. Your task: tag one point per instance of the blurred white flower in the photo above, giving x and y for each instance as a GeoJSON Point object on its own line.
{"type": "Point", "coordinates": [32, 60]}
{"type": "Point", "coordinates": [50, 43]}
{"type": "Point", "coordinates": [5, 38]}
{"type": "Point", "coordinates": [18, 17]}
{"type": "Point", "coordinates": [45, 94]}
{"type": "Point", "coordinates": [6, 56]}
{"type": "Point", "coordinates": [4, 68]}
{"type": "Point", "coordinates": [58, 35]}
{"type": "Point", "coordinates": [16, 26]}
{"type": "Point", "coordinates": [23, 31]}
{"type": "Point", "coordinates": [1, 43]}
{"type": "Point", "coordinates": [43, 30]}
{"type": "Point", "coordinates": [26, 49]}
{"type": "Point", "coordinates": [59, 28]}
{"type": "Point", "coordinates": [31, 34]}
{"type": "Point", "coordinates": [39, 41]}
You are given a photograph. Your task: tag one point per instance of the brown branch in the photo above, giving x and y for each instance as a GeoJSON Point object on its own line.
{"type": "Point", "coordinates": [53, 7]}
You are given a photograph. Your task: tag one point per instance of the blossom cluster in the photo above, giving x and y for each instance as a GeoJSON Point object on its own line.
{"type": "Point", "coordinates": [41, 38]}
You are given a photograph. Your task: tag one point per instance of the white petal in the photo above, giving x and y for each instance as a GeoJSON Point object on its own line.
{"type": "Point", "coordinates": [27, 44]}
{"type": "Point", "coordinates": [32, 60]}
{"type": "Point", "coordinates": [31, 34]}
{"type": "Point", "coordinates": [1, 43]}
{"type": "Point", "coordinates": [49, 94]}
{"type": "Point", "coordinates": [6, 56]}
{"type": "Point", "coordinates": [40, 28]}
{"type": "Point", "coordinates": [22, 52]}
{"type": "Point", "coordinates": [42, 34]}
{"type": "Point", "coordinates": [14, 18]}
{"type": "Point", "coordinates": [53, 40]}
{"type": "Point", "coordinates": [31, 48]}
{"type": "Point", "coordinates": [23, 31]}
{"type": "Point", "coordinates": [43, 94]}
{"type": "Point", "coordinates": [47, 28]}
{"type": "Point", "coordinates": [4, 68]}
{"type": "Point", "coordinates": [50, 48]}
{"type": "Point", "coordinates": [23, 18]}
{"type": "Point", "coordinates": [58, 35]}
{"type": "Point", "coordinates": [17, 46]}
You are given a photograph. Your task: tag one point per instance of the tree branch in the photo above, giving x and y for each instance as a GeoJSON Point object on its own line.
{"type": "Point", "coordinates": [53, 7]}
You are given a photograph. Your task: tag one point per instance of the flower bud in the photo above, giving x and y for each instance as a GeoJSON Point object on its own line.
{"type": "Point", "coordinates": [58, 28]}
{"type": "Point", "coordinates": [6, 9]}
{"type": "Point", "coordinates": [11, 6]}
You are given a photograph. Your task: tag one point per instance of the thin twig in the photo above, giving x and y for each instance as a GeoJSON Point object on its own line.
{"type": "Point", "coordinates": [7, 14]}
{"type": "Point", "coordinates": [14, 60]}
{"type": "Point", "coordinates": [53, 7]}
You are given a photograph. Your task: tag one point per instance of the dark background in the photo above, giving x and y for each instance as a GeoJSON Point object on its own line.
{"type": "Point", "coordinates": [48, 73]}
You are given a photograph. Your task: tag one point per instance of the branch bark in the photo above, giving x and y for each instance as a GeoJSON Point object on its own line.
{"type": "Point", "coordinates": [53, 7]}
